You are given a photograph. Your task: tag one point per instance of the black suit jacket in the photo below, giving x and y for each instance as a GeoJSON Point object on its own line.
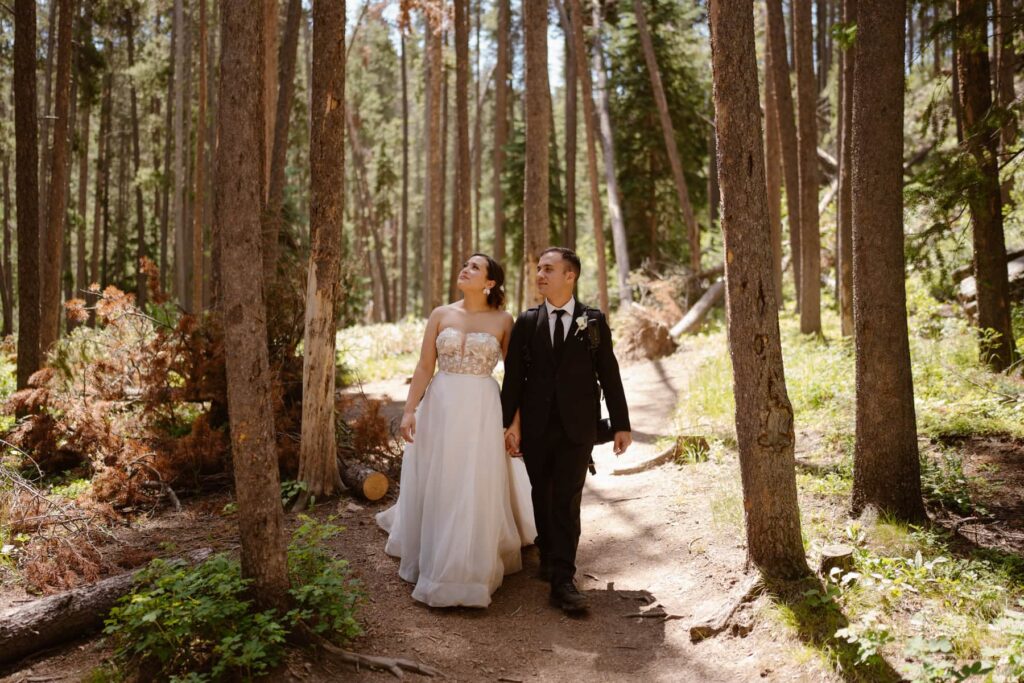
{"type": "Point", "coordinates": [570, 384]}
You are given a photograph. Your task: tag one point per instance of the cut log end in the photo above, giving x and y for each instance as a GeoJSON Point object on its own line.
{"type": "Point", "coordinates": [367, 483]}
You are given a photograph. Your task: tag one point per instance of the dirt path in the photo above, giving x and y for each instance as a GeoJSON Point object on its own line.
{"type": "Point", "coordinates": [648, 539]}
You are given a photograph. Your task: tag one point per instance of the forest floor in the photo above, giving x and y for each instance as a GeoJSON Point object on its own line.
{"type": "Point", "coordinates": [668, 540]}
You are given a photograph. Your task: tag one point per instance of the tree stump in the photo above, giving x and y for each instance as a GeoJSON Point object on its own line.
{"type": "Point", "coordinates": [839, 555]}
{"type": "Point", "coordinates": [365, 482]}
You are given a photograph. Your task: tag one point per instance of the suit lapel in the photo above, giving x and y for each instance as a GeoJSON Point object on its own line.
{"type": "Point", "coordinates": [572, 339]}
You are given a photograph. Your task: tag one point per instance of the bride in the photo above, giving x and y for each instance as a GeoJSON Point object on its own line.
{"type": "Point", "coordinates": [464, 509]}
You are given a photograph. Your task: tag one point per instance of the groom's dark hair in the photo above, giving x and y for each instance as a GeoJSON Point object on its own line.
{"type": "Point", "coordinates": [569, 256]}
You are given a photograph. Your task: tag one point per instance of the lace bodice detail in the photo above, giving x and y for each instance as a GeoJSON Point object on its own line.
{"type": "Point", "coordinates": [471, 353]}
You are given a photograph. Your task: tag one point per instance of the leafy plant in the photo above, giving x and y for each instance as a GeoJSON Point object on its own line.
{"type": "Point", "coordinates": [197, 624]}
{"type": "Point", "coordinates": [870, 635]}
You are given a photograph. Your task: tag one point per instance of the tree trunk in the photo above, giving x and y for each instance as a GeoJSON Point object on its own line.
{"type": "Point", "coordinates": [1006, 59]}
{"type": "Point", "coordinates": [807, 148]}
{"type": "Point", "coordinates": [403, 306]}
{"type": "Point", "coordinates": [46, 154]}
{"type": "Point", "coordinates": [619, 243]}
{"type": "Point", "coordinates": [140, 222]}
{"type": "Point", "coordinates": [433, 259]}
{"type": "Point", "coordinates": [764, 416]}
{"type": "Point", "coordinates": [102, 176]}
{"type": "Point", "coordinates": [239, 185]}
{"type": "Point", "coordinates": [199, 202]}
{"type": "Point", "coordinates": [480, 87]}
{"type": "Point", "coordinates": [270, 86]}
{"type": "Point", "coordinates": [279, 158]}
{"type": "Point", "coordinates": [81, 273]}
{"type": "Point", "coordinates": [886, 469]}
{"type": "Point", "coordinates": [538, 133]}
{"type": "Point", "coordinates": [669, 134]}
{"type": "Point", "coordinates": [5, 272]}
{"type": "Point", "coordinates": [462, 218]}
{"type": "Point", "coordinates": [170, 120]}
{"type": "Point", "coordinates": [180, 143]}
{"type": "Point", "coordinates": [318, 464]}
{"type": "Point", "coordinates": [773, 169]}
{"type": "Point", "coordinates": [783, 97]}
{"type": "Point", "coordinates": [569, 240]}
{"type": "Point", "coordinates": [845, 223]}
{"type": "Point", "coordinates": [50, 305]}
{"type": "Point", "coordinates": [501, 76]}
{"type": "Point", "coordinates": [26, 179]}
{"type": "Point", "coordinates": [984, 198]}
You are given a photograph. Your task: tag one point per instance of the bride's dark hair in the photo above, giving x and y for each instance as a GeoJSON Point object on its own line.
{"type": "Point", "coordinates": [496, 299]}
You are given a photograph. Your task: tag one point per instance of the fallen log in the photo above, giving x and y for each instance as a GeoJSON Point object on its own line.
{"type": "Point", "coordinates": [968, 290]}
{"type": "Point", "coordinates": [365, 482]}
{"type": "Point", "coordinates": [682, 443]}
{"type": "Point", "coordinates": [56, 619]}
{"type": "Point", "coordinates": [694, 318]}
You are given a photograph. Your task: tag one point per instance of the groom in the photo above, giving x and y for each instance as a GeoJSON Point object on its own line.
{"type": "Point", "coordinates": [551, 404]}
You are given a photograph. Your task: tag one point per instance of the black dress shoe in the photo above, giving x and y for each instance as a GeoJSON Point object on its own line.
{"type": "Point", "coordinates": [565, 597]}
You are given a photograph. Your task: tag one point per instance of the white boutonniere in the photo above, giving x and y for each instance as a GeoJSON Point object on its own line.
{"type": "Point", "coordinates": [581, 324]}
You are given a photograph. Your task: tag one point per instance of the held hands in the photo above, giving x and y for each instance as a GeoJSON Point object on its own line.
{"type": "Point", "coordinates": [622, 442]}
{"type": "Point", "coordinates": [408, 426]}
{"type": "Point", "coordinates": [512, 438]}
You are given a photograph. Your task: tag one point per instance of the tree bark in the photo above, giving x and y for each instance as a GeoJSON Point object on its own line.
{"type": "Point", "coordinates": [764, 416]}
{"type": "Point", "coordinates": [50, 305]}
{"type": "Point", "coordinates": [270, 86]}
{"type": "Point", "coordinates": [285, 95]}
{"type": "Point", "coordinates": [318, 464]}
{"type": "Point", "coordinates": [5, 272]}
{"type": "Point", "coordinates": [199, 202]}
{"type": "Point", "coordinates": [46, 154]}
{"type": "Point", "coordinates": [170, 121]}
{"type": "Point", "coordinates": [886, 467]}
{"type": "Point", "coordinates": [180, 143]}
{"type": "Point", "coordinates": [536, 210]}
{"type": "Point", "coordinates": [845, 223]}
{"type": "Point", "coordinates": [1006, 59]}
{"type": "Point", "coordinates": [783, 96]}
{"type": "Point", "coordinates": [501, 76]}
{"type": "Point", "coordinates": [81, 273]}
{"type": "Point", "coordinates": [239, 185]}
{"type": "Point", "coordinates": [807, 148]}
{"type": "Point", "coordinates": [140, 221]}
{"type": "Point", "coordinates": [984, 198]}
{"type": "Point", "coordinates": [403, 304]}
{"type": "Point", "coordinates": [669, 134]}
{"type": "Point", "coordinates": [571, 78]}
{"type": "Point", "coordinates": [619, 244]}
{"type": "Point", "coordinates": [773, 168]}
{"type": "Point", "coordinates": [462, 218]}
{"type": "Point", "coordinates": [100, 193]}
{"type": "Point", "coordinates": [433, 259]}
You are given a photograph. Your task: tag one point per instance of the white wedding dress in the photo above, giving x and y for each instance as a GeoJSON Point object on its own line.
{"type": "Point", "coordinates": [463, 509]}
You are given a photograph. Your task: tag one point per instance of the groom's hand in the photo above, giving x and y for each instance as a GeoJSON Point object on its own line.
{"type": "Point", "coordinates": [622, 442]}
{"type": "Point", "coordinates": [512, 436]}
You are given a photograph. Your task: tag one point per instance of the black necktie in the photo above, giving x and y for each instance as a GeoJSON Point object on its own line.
{"type": "Point", "coordinates": [559, 339]}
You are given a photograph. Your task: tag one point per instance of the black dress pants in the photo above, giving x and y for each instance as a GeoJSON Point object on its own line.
{"type": "Point", "coordinates": [558, 469]}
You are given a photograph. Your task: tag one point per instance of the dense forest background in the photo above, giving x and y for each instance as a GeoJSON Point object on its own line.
{"type": "Point", "coordinates": [220, 218]}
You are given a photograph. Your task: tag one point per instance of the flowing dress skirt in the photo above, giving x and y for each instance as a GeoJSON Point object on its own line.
{"type": "Point", "coordinates": [463, 510]}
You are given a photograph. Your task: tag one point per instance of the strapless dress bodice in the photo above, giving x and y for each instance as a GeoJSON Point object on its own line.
{"type": "Point", "coordinates": [467, 353]}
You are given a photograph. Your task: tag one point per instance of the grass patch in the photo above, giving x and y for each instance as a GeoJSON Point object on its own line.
{"type": "Point", "coordinates": [367, 353]}
{"type": "Point", "coordinates": [919, 604]}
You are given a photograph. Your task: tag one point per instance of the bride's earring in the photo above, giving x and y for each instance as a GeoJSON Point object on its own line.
{"type": "Point", "coordinates": [487, 291]}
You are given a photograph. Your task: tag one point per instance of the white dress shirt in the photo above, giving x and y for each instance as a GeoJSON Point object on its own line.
{"type": "Point", "coordinates": [569, 307]}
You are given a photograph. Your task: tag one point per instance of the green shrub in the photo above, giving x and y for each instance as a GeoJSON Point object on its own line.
{"type": "Point", "coordinates": [197, 624]}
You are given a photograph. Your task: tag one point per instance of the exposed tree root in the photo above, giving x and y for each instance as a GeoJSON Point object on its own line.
{"type": "Point", "coordinates": [720, 620]}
